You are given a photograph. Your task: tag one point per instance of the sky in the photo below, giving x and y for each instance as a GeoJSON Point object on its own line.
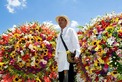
{"type": "Point", "coordinates": [80, 12]}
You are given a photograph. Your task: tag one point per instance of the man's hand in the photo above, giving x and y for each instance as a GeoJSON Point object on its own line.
{"type": "Point", "coordinates": [76, 59]}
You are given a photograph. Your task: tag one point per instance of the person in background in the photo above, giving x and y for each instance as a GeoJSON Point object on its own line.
{"type": "Point", "coordinates": [65, 69]}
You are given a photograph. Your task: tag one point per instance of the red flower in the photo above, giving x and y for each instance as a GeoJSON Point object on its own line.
{"type": "Point", "coordinates": [24, 29]}
{"type": "Point", "coordinates": [1, 53]}
{"type": "Point", "coordinates": [79, 32]}
{"type": "Point", "coordinates": [106, 58]}
{"type": "Point", "coordinates": [49, 38]}
{"type": "Point", "coordinates": [5, 39]}
{"type": "Point", "coordinates": [99, 28]}
{"type": "Point", "coordinates": [102, 42]}
{"type": "Point", "coordinates": [114, 48]}
{"type": "Point", "coordinates": [46, 79]}
{"type": "Point", "coordinates": [49, 55]}
{"type": "Point", "coordinates": [53, 75]}
{"type": "Point", "coordinates": [97, 79]}
{"type": "Point", "coordinates": [120, 34]}
{"type": "Point", "coordinates": [104, 24]}
{"type": "Point", "coordinates": [7, 78]}
{"type": "Point", "coordinates": [25, 57]}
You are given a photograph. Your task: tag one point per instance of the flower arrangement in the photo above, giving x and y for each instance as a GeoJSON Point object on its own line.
{"type": "Point", "coordinates": [101, 47]}
{"type": "Point", "coordinates": [27, 54]}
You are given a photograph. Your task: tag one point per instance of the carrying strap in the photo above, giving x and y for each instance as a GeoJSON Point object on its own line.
{"type": "Point", "coordinates": [63, 42]}
{"type": "Point", "coordinates": [80, 59]}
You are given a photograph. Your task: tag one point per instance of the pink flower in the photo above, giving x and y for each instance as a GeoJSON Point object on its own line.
{"type": "Point", "coordinates": [105, 68]}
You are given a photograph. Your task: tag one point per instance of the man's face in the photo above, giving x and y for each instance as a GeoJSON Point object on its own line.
{"type": "Point", "coordinates": [62, 22]}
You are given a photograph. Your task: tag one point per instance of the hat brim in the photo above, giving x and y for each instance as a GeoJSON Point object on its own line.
{"type": "Point", "coordinates": [68, 21]}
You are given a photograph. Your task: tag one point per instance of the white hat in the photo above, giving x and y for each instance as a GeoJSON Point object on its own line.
{"type": "Point", "coordinates": [68, 21]}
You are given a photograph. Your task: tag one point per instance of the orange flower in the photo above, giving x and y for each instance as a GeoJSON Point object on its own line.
{"type": "Point", "coordinates": [17, 30]}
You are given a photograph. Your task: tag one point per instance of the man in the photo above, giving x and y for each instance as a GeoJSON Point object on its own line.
{"type": "Point", "coordinates": [65, 69]}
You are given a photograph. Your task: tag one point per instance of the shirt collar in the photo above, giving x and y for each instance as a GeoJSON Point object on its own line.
{"type": "Point", "coordinates": [64, 30]}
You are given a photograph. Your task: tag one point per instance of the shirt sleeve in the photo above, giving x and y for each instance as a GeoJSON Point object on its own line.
{"type": "Point", "coordinates": [56, 55]}
{"type": "Point", "coordinates": [75, 41]}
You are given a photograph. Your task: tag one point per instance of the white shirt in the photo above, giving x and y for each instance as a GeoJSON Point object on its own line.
{"type": "Point", "coordinates": [71, 40]}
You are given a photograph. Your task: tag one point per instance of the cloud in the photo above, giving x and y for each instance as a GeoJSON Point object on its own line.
{"type": "Point", "coordinates": [12, 4]}
{"type": "Point", "coordinates": [74, 24]}
{"type": "Point", "coordinates": [49, 23]}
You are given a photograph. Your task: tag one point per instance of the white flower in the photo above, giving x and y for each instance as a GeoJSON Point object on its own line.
{"type": "Point", "coordinates": [44, 62]}
{"type": "Point", "coordinates": [6, 66]}
{"type": "Point", "coordinates": [30, 46]}
{"type": "Point", "coordinates": [78, 78]}
{"type": "Point", "coordinates": [22, 53]}
{"type": "Point", "coordinates": [110, 40]}
{"type": "Point", "coordinates": [120, 21]}
{"type": "Point", "coordinates": [46, 42]}
{"type": "Point", "coordinates": [33, 61]}
{"type": "Point", "coordinates": [19, 59]}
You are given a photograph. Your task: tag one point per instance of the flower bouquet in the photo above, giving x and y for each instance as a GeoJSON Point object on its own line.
{"type": "Point", "coordinates": [101, 47]}
{"type": "Point", "coordinates": [27, 54]}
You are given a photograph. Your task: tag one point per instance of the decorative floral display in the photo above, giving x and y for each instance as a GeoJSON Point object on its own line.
{"type": "Point", "coordinates": [101, 47]}
{"type": "Point", "coordinates": [27, 54]}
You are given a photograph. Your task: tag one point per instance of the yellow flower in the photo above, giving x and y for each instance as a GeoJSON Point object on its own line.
{"type": "Point", "coordinates": [20, 63]}
{"type": "Point", "coordinates": [13, 55]}
{"type": "Point", "coordinates": [17, 79]}
{"type": "Point", "coordinates": [87, 67]}
{"type": "Point", "coordinates": [37, 28]}
{"type": "Point", "coordinates": [109, 28]}
{"type": "Point", "coordinates": [16, 46]}
{"type": "Point", "coordinates": [96, 63]}
{"type": "Point", "coordinates": [41, 56]}
{"type": "Point", "coordinates": [22, 40]}
{"type": "Point", "coordinates": [38, 80]}
{"type": "Point", "coordinates": [95, 31]}
{"type": "Point", "coordinates": [101, 52]}
{"type": "Point", "coordinates": [1, 66]}
{"type": "Point", "coordinates": [119, 31]}
{"type": "Point", "coordinates": [37, 61]}
{"type": "Point", "coordinates": [91, 70]}
{"type": "Point", "coordinates": [98, 48]}
{"type": "Point", "coordinates": [53, 43]}
{"type": "Point", "coordinates": [54, 68]}
{"type": "Point", "coordinates": [100, 60]}
{"type": "Point", "coordinates": [53, 54]}
{"type": "Point", "coordinates": [28, 63]}
{"type": "Point", "coordinates": [113, 73]}
{"type": "Point", "coordinates": [38, 39]}
{"type": "Point", "coordinates": [94, 42]}
{"type": "Point", "coordinates": [45, 52]}
{"type": "Point", "coordinates": [115, 20]}
{"type": "Point", "coordinates": [43, 46]}
{"type": "Point", "coordinates": [31, 39]}
{"type": "Point", "coordinates": [16, 35]}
